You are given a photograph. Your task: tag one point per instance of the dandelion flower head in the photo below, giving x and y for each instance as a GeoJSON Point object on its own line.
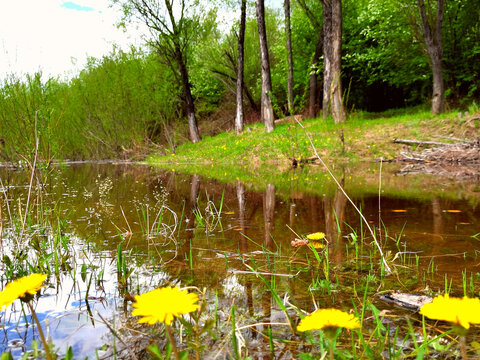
{"type": "Point", "coordinates": [328, 318]}
{"type": "Point", "coordinates": [20, 288]}
{"type": "Point", "coordinates": [317, 244]}
{"type": "Point", "coordinates": [316, 236]}
{"type": "Point", "coordinates": [461, 311]}
{"type": "Point", "coordinates": [161, 305]}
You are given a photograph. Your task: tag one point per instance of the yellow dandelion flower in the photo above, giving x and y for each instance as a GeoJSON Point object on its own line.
{"type": "Point", "coordinates": [27, 285]}
{"type": "Point", "coordinates": [328, 318]}
{"type": "Point", "coordinates": [316, 236]}
{"type": "Point", "coordinates": [317, 244]}
{"type": "Point", "coordinates": [161, 305]}
{"type": "Point", "coordinates": [461, 311]}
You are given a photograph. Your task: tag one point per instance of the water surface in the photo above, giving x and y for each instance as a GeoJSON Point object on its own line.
{"type": "Point", "coordinates": [187, 230]}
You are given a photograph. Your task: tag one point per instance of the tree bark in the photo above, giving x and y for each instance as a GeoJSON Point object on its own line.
{"type": "Point", "coordinates": [432, 35]}
{"type": "Point", "coordinates": [182, 67]}
{"type": "Point", "coordinates": [190, 106]}
{"type": "Point", "coordinates": [240, 80]}
{"type": "Point", "coordinates": [288, 36]}
{"type": "Point", "coordinates": [266, 102]}
{"type": "Point", "coordinates": [332, 53]}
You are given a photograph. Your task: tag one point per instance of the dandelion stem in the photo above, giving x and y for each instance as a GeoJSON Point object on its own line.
{"type": "Point", "coordinates": [463, 348]}
{"type": "Point", "coordinates": [40, 331]}
{"type": "Point", "coordinates": [172, 341]}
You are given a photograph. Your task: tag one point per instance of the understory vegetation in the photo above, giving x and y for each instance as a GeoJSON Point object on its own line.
{"type": "Point", "coordinates": [130, 103]}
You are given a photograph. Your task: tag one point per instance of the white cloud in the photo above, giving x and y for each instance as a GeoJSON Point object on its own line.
{"type": "Point", "coordinates": [46, 36]}
{"type": "Point", "coordinates": [43, 35]}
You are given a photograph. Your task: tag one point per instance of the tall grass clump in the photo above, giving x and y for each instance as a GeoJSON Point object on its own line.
{"type": "Point", "coordinates": [119, 103]}
{"type": "Point", "coordinates": [22, 105]}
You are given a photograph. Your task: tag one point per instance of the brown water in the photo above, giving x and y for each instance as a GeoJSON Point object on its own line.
{"type": "Point", "coordinates": [150, 213]}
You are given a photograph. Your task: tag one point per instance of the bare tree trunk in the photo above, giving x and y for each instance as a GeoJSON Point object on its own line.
{"type": "Point", "coordinates": [240, 81]}
{"type": "Point", "coordinates": [332, 50]}
{"type": "Point", "coordinates": [266, 102]}
{"type": "Point", "coordinates": [288, 36]}
{"type": "Point", "coordinates": [313, 103]}
{"type": "Point", "coordinates": [187, 92]}
{"type": "Point", "coordinates": [172, 34]}
{"type": "Point", "coordinates": [182, 67]}
{"type": "Point", "coordinates": [432, 35]}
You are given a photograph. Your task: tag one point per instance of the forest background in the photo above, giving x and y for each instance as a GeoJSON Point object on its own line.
{"type": "Point", "coordinates": [128, 104]}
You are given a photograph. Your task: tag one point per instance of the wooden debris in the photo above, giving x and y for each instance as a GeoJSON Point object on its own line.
{"type": "Point", "coordinates": [461, 153]}
{"type": "Point", "coordinates": [292, 119]}
{"type": "Point", "coordinates": [420, 142]}
{"type": "Point", "coordinates": [299, 242]}
{"type": "Point", "coordinates": [301, 161]}
{"type": "Point", "coordinates": [405, 300]}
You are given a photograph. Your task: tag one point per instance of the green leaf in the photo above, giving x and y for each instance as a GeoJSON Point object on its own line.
{"type": "Point", "coordinates": [154, 350]}
{"type": "Point", "coordinates": [6, 356]}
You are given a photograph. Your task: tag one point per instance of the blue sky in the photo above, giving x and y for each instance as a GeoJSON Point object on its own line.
{"type": "Point", "coordinates": [73, 6]}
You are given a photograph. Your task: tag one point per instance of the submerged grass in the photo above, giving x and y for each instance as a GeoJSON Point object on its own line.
{"type": "Point", "coordinates": [226, 328]}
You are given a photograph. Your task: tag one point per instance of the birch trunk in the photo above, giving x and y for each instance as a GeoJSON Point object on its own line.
{"type": "Point", "coordinates": [332, 49]}
{"type": "Point", "coordinates": [240, 80]}
{"type": "Point", "coordinates": [266, 101]}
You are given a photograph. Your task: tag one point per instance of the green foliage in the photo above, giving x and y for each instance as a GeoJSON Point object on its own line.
{"type": "Point", "coordinates": [461, 39]}
{"type": "Point", "coordinates": [119, 102]}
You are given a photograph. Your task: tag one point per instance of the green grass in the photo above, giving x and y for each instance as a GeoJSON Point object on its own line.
{"type": "Point", "coordinates": [257, 158]}
{"type": "Point", "coordinates": [288, 141]}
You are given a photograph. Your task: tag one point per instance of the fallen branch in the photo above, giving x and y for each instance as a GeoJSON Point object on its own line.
{"type": "Point", "coordinates": [420, 142]}
{"type": "Point", "coordinates": [301, 161]}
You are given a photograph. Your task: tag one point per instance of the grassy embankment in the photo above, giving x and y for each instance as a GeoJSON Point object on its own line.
{"type": "Point", "coordinates": [258, 158]}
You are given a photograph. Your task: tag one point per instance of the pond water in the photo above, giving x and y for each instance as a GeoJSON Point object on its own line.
{"type": "Point", "coordinates": [111, 230]}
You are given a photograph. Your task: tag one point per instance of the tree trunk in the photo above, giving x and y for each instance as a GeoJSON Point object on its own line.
{"type": "Point", "coordinates": [438, 95]}
{"type": "Point", "coordinates": [266, 102]}
{"type": "Point", "coordinates": [432, 34]}
{"type": "Point", "coordinates": [332, 50]}
{"type": "Point", "coordinates": [240, 81]}
{"type": "Point", "coordinates": [190, 107]}
{"type": "Point", "coordinates": [313, 103]}
{"type": "Point", "coordinates": [182, 68]}
{"type": "Point", "coordinates": [288, 36]}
